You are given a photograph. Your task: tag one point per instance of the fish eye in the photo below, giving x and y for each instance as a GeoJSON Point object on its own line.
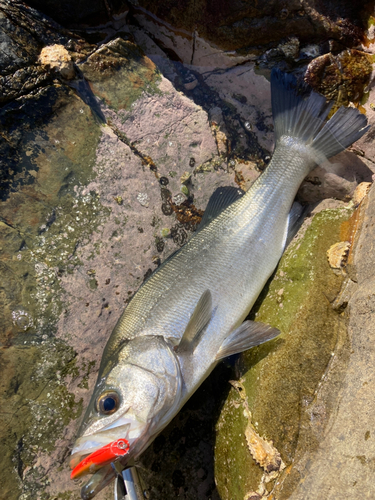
{"type": "Point", "coordinates": [108, 402]}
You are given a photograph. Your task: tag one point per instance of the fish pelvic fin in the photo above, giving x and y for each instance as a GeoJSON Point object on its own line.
{"type": "Point", "coordinates": [247, 335]}
{"type": "Point", "coordinates": [198, 321]}
{"type": "Point", "coordinates": [304, 118]}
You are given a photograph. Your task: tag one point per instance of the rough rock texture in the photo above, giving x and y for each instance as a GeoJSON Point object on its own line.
{"type": "Point", "coordinates": [23, 34]}
{"type": "Point", "coordinates": [88, 12]}
{"type": "Point", "coordinates": [204, 33]}
{"type": "Point", "coordinates": [105, 171]}
{"type": "Point", "coordinates": [309, 390]}
{"type": "Point", "coordinates": [113, 184]}
{"type": "Point", "coordinates": [282, 375]}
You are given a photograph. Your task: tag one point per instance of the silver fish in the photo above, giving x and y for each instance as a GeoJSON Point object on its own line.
{"type": "Point", "coordinates": [170, 337]}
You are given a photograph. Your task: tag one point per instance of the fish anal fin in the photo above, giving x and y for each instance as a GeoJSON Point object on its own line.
{"type": "Point", "coordinates": [247, 335]}
{"type": "Point", "coordinates": [220, 199]}
{"type": "Point", "coordinates": [296, 217]}
{"type": "Point", "coordinates": [199, 319]}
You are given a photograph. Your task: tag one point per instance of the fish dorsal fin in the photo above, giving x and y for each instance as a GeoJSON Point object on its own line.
{"type": "Point", "coordinates": [247, 335]}
{"type": "Point", "coordinates": [198, 320]}
{"type": "Point", "coordinates": [220, 199]}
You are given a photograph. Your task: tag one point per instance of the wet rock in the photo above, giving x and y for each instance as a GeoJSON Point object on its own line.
{"type": "Point", "coordinates": [202, 34]}
{"type": "Point", "coordinates": [22, 44]}
{"type": "Point", "coordinates": [343, 78]}
{"type": "Point", "coordinates": [87, 12]}
{"type": "Point", "coordinates": [311, 413]}
{"type": "Point", "coordinates": [67, 168]}
{"type": "Point", "coordinates": [23, 34]}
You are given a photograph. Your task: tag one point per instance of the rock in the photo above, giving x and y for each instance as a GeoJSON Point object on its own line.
{"type": "Point", "coordinates": [340, 415]}
{"type": "Point", "coordinates": [108, 164]}
{"type": "Point", "coordinates": [313, 427]}
{"type": "Point", "coordinates": [20, 71]}
{"type": "Point", "coordinates": [280, 377]}
{"type": "Point", "coordinates": [343, 78]}
{"type": "Point", "coordinates": [88, 12]}
{"type": "Point", "coordinates": [71, 195]}
{"type": "Point", "coordinates": [201, 34]}
{"type": "Point", "coordinates": [57, 58]}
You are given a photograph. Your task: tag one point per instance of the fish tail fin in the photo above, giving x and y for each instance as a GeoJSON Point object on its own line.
{"type": "Point", "coordinates": [346, 126]}
{"type": "Point", "coordinates": [304, 118]}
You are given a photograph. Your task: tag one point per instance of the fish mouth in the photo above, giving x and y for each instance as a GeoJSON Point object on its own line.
{"type": "Point", "coordinates": [101, 457]}
{"type": "Point", "coordinates": [97, 449]}
{"type": "Point", "coordinates": [92, 452]}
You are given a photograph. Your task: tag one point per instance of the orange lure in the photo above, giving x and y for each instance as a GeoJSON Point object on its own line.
{"type": "Point", "coordinates": [105, 455]}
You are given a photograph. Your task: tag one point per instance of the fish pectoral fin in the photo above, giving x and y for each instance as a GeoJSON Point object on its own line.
{"type": "Point", "coordinates": [220, 199]}
{"type": "Point", "coordinates": [247, 335]}
{"type": "Point", "coordinates": [199, 319]}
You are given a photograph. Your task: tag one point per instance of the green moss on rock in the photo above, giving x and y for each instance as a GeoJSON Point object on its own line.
{"type": "Point", "coordinates": [38, 408]}
{"type": "Point", "coordinates": [281, 376]}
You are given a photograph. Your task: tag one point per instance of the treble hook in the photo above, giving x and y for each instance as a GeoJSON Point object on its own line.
{"type": "Point", "coordinates": [127, 485]}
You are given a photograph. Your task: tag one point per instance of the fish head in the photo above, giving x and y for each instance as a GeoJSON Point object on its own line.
{"type": "Point", "coordinates": [138, 391]}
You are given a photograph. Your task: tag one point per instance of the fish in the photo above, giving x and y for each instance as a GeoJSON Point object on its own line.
{"type": "Point", "coordinates": [170, 337]}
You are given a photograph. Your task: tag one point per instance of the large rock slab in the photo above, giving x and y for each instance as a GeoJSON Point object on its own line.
{"type": "Point", "coordinates": [308, 390]}
{"type": "Point", "coordinates": [201, 34]}
{"type": "Point", "coordinates": [282, 375]}
{"type": "Point", "coordinates": [93, 200]}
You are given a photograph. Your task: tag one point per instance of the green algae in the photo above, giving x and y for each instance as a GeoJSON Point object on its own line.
{"type": "Point", "coordinates": [119, 73]}
{"type": "Point", "coordinates": [280, 377]}
{"type": "Point", "coordinates": [31, 275]}
{"type": "Point", "coordinates": [38, 408]}
{"type": "Point", "coordinates": [45, 220]}
{"type": "Point", "coordinates": [51, 139]}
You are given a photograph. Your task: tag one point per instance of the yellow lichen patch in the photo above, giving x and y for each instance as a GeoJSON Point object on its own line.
{"type": "Point", "coordinates": [263, 452]}
{"type": "Point", "coordinates": [360, 192]}
{"type": "Point", "coordinates": [337, 254]}
{"type": "Point", "coordinates": [57, 58]}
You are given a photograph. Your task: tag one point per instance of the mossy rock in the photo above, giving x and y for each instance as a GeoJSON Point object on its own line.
{"type": "Point", "coordinates": [281, 376]}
